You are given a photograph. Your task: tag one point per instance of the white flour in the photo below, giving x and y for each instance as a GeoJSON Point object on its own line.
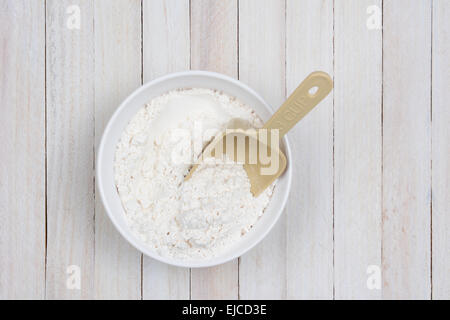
{"type": "Point", "coordinates": [203, 216]}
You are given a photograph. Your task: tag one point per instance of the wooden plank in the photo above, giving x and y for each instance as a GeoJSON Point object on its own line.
{"type": "Point", "coordinates": [22, 159]}
{"type": "Point", "coordinates": [309, 211]}
{"type": "Point", "coordinates": [117, 73]}
{"type": "Point", "coordinates": [214, 44]}
{"type": "Point", "coordinates": [262, 272]}
{"type": "Point", "coordinates": [357, 149]}
{"type": "Point", "coordinates": [214, 47]}
{"type": "Point", "coordinates": [441, 149]}
{"type": "Point", "coordinates": [406, 149]}
{"type": "Point", "coordinates": [166, 37]}
{"type": "Point", "coordinates": [166, 49]}
{"type": "Point", "coordinates": [70, 152]}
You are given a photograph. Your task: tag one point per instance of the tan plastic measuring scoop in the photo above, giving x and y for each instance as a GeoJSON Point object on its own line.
{"type": "Point", "coordinates": [261, 157]}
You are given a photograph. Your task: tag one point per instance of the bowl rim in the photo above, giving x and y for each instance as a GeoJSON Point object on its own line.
{"type": "Point", "coordinates": [198, 263]}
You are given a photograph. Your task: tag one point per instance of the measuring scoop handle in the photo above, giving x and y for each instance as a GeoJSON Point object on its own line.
{"type": "Point", "coordinates": [300, 102]}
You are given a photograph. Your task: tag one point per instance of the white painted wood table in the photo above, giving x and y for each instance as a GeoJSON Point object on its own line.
{"type": "Point", "coordinates": [371, 189]}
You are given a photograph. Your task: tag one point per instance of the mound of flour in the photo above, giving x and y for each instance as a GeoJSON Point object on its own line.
{"type": "Point", "coordinates": [203, 216]}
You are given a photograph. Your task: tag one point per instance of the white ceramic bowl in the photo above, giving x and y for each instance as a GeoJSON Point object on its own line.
{"type": "Point", "coordinates": [118, 122]}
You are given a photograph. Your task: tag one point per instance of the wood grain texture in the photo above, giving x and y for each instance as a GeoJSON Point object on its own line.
{"type": "Point", "coordinates": [214, 42]}
{"type": "Point", "coordinates": [214, 47]}
{"type": "Point", "coordinates": [70, 153]}
{"type": "Point", "coordinates": [390, 128]}
{"type": "Point", "coordinates": [357, 149]}
{"type": "Point", "coordinates": [22, 158]}
{"type": "Point", "coordinates": [117, 73]}
{"type": "Point", "coordinates": [262, 271]}
{"type": "Point", "coordinates": [166, 49]}
{"type": "Point", "coordinates": [441, 150]}
{"type": "Point", "coordinates": [406, 149]}
{"type": "Point", "coordinates": [166, 37]}
{"type": "Point", "coordinates": [309, 211]}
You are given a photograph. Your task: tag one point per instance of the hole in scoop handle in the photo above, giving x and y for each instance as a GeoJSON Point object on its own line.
{"type": "Point", "coordinates": [300, 102]}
